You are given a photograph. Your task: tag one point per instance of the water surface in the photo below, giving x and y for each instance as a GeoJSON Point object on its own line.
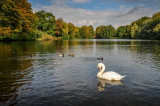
{"type": "Point", "coordinates": [33, 73]}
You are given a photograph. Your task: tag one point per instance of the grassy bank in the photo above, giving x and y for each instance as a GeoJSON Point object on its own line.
{"type": "Point", "coordinates": [35, 35]}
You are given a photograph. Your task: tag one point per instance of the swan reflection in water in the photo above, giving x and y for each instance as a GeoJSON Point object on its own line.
{"type": "Point", "coordinates": [103, 83]}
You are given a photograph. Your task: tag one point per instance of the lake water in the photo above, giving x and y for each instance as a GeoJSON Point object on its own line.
{"type": "Point", "coordinates": [32, 73]}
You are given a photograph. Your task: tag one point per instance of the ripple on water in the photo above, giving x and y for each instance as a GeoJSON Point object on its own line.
{"type": "Point", "coordinates": [36, 75]}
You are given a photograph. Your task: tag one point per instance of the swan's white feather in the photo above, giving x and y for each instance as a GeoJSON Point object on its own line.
{"type": "Point", "coordinates": [110, 75]}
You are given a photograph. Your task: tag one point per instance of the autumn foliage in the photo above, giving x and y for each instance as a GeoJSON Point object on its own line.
{"type": "Point", "coordinates": [18, 22]}
{"type": "Point", "coordinates": [16, 18]}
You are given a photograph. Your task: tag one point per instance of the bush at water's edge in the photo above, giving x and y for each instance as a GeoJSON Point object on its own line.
{"type": "Point", "coordinates": [35, 35]}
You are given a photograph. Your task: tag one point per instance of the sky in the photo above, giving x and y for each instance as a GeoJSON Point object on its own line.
{"type": "Point", "coordinates": [98, 12]}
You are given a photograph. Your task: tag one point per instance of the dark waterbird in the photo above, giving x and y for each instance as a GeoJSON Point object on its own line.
{"type": "Point", "coordinates": [71, 55]}
{"type": "Point", "coordinates": [101, 58]}
{"type": "Point", "coordinates": [30, 55]}
{"type": "Point", "coordinates": [59, 50]}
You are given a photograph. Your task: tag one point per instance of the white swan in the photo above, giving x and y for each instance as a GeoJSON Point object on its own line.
{"type": "Point", "coordinates": [110, 75]}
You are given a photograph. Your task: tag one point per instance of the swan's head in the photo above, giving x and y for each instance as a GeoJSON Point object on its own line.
{"type": "Point", "coordinates": [100, 66]}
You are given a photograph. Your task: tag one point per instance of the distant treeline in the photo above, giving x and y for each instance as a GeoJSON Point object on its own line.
{"type": "Point", "coordinates": [18, 22]}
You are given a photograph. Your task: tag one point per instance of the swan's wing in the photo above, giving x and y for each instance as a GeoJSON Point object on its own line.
{"type": "Point", "coordinates": [110, 75]}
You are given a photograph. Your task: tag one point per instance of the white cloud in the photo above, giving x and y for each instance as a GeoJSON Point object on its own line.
{"type": "Point", "coordinates": [96, 17]}
{"type": "Point", "coordinates": [66, 2]}
{"type": "Point", "coordinates": [121, 7]}
{"type": "Point", "coordinates": [81, 1]}
{"type": "Point", "coordinates": [59, 2]}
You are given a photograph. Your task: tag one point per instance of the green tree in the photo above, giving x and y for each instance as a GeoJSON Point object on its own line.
{"type": "Point", "coordinates": [65, 31]}
{"type": "Point", "coordinates": [72, 30]}
{"type": "Point", "coordinates": [83, 31]}
{"type": "Point", "coordinates": [46, 22]}
{"type": "Point", "coordinates": [91, 31]}
{"type": "Point", "coordinates": [134, 30]}
{"type": "Point", "coordinates": [121, 32]}
{"type": "Point", "coordinates": [105, 32]}
{"type": "Point", "coordinates": [150, 28]}
{"type": "Point", "coordinates": [86, 32]}
{"type": "Point", "coordinates": [77, 32]}
{"type": "Point", "coordinates": [156, 16]}
{"type": "Point", "coordinates": [101, 32]}
{"type": "Point", "coordinates": [111, 32]}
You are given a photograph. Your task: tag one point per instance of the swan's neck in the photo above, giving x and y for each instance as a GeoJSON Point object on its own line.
{"type": "Point", "coordinates": [101, 71]}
